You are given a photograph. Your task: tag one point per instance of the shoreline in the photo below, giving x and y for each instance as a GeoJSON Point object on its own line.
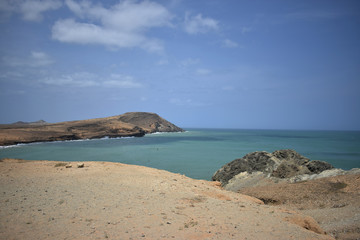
{"type": "Point", "coordinates": [82, 140]}
{"type": "Point", "coordinates": [114, 200]}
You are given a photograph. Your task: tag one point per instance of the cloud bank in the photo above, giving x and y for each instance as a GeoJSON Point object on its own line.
{"type": "Point", "coordinates": [123, 25]}
{"type": "Point", "coordinates": [31, 10]}
{"type": "Point", "coordinates": [87, 79]}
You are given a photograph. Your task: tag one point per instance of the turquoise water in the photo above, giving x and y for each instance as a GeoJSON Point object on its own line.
{"type": "Point", "coordinates": [198, 153]}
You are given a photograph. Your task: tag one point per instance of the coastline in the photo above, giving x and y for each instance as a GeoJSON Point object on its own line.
{"type": "Point", "coordinates": [81, 140]}
{"type": "Point", "coordinates": [131, 124]}
{"type": "Point", "coordinates": [114, 200]}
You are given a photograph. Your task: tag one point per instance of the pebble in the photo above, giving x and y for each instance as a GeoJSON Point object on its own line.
{"type": "Point", "coordinates": [80, 165]}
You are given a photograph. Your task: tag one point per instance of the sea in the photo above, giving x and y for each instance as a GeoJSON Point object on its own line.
{"type": "Point", "coordinates": [197, 153]}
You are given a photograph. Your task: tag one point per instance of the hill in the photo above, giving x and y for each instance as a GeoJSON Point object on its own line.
{"type": "Point", "coordinates": [129, 124]}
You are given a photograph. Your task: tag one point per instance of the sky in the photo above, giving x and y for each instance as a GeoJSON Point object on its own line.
{"type": "Point", "coordinates": [205, 63]}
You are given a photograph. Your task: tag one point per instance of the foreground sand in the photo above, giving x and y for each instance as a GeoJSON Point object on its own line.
{"type": "Point", "coordinates": [117, 201]}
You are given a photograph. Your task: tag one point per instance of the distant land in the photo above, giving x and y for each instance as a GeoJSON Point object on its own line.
{"type": "Point", "coordinates": [135, 124]}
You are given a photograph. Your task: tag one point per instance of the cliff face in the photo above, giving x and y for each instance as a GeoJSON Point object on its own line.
{"type": "Point", "coordinates": [129, 124]}
{"type": "Point", "coordinates": [150, 122]}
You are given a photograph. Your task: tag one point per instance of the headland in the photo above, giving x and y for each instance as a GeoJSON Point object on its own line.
{"type": "Point", "coordinates": [131, 124]}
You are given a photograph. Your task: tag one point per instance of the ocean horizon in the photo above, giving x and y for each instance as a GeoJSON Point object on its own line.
{"type": "Point", "coordinates": [198, 152]}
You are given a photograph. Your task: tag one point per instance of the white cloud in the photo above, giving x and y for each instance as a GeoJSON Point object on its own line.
{"type": "Point", "coordinates": [121, 81]}
{"type": "Point", "coordinates": [32, 9]}
{"type": "Point", "coordinates": [198, 24]}
{"type": "Point", "coordinates": [81, 79]}
{"type": "Point", "coordinates": [86, 79]}
{"type": "Point", "coordinates": [203, 71]}
{"type": "Point", "coordinates": [87, 33]}
{"type": "Point", "coordinates": [229, 44]}
{"type": "Point", "coordinates": [124, 25]}
{"type": "Point", "coordinates": [36, 59]}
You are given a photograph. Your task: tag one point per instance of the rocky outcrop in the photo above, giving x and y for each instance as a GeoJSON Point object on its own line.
{"type": "Point", "coordinates": [279, 164]}
{"type": "Point", "coordinates": [30, 123]}
{"type": "Point", "coordinates": [135, 124]}
{"type": "Point", "coordinates": [150, 122]}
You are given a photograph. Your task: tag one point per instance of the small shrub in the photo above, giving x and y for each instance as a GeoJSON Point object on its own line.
{"type": "Point", "coordinates": [190, 224]}
{"type": "Point", "coordinates": [337, 186]}
{"type": "Point", "coordinates": [61, 164]}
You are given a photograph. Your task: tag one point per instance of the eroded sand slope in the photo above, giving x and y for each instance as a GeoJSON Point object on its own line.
{"type": "Point", "coordinates": [117, 201]}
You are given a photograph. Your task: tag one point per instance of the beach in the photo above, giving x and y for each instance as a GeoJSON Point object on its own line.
{"type": "Point", "coordinates": [101, 200]}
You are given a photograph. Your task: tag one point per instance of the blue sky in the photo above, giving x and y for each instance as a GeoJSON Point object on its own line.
{"type": "Point", "coordinates": [205, 63]}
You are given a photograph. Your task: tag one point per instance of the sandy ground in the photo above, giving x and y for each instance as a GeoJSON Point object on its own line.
{"type": "Point", "coordinates": [334, 202]}
{"type": "Point", "coordinates": [117, 201]}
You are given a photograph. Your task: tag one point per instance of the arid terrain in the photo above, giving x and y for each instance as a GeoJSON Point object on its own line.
{"type": "Point", "coordinates": [100, 200]}
{"type": "Point", "coordinates": [334, 202]}
{"type": "Point", "coordinates": [129, 124]}
{"type": "Point", "coordinates": [287, 179]}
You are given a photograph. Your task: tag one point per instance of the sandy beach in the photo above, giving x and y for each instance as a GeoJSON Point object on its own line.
{"type": "Point", "coordinates": [48, 200]}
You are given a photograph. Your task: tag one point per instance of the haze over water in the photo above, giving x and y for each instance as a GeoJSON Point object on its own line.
{"type": "Point", "coordinates": [198, 153]}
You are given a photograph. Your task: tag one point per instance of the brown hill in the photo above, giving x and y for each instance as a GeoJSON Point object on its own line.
{"type": "Point", "coordinates": [129, 124]}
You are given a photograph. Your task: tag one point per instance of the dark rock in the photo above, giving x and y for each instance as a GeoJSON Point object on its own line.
{"type": "Point", "coordinates": [255, 161]}
{"type": "Point", "coordinates": [289, 169]}
{"type": "Point", "coordinates": [280, 164]}
{"type": "Point", "coordinates": [318, 166]}
{"type": "Point", "coordinates": [290, 155]}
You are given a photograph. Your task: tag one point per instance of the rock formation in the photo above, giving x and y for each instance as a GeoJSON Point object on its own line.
{"type": "Point", "coordinates": [129, 124]}
{"type": "Point", "coordinates": [279, 164]}
{"type": "Point", "coordinates": [150, 122]}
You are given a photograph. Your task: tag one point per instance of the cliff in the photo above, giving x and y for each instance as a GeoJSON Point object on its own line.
{"type": "Point", "coordinates": [129, 124]}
